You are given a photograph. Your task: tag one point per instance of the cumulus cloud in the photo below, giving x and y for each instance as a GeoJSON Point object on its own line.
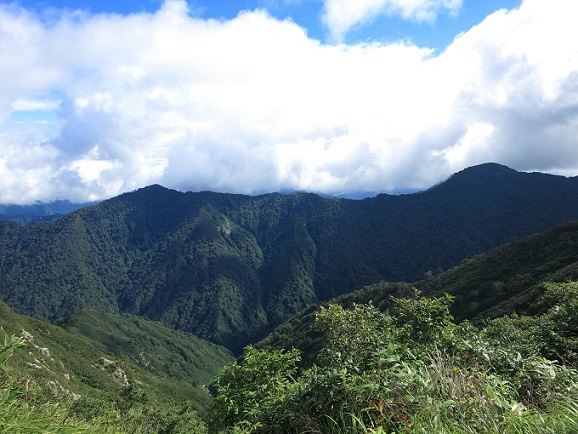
{"type": "Point", "coordinates": [251, 104]}
{"type": "Point", "coordinates": [341, 15]}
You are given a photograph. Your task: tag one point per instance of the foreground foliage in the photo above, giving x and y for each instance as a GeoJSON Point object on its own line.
{"type": "Point", "coordinates": [413, 370]}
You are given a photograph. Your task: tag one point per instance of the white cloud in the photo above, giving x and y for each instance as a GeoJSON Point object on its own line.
{"type": "Point", "coordinates": [252, 104]}
{"type": "Point", "coordinates": [35, 105]}
{"type": "Point", "coordinates": [342, 15]}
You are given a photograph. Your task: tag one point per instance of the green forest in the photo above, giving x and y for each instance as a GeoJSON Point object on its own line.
{"type": "Point", "coordinates": [453, 310]}
{"type": "Point", "coordinates": [230, 268]}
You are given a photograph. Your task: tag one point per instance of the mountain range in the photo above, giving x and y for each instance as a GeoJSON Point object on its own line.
{"type": "Point", "coordinates": [38, 212]}
{"type": "Point", "coordinates": [229, 268]}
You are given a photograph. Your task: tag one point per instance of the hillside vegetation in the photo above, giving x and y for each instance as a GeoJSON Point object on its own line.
{"type": "Point", "coordinates": [389, 357]}
{"type": "Point", "coordinates": [146, 378]}
{"type": "Point", "coordinates": [150, 345]}
{"type": "Point", "coordinates": [229, 268]}
{"type": "Point", "coordinates": [506, 280]}
{"type": "Point", "coordinates": [413, 370]}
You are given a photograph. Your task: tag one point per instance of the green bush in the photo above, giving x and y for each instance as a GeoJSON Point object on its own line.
{"type": "Point", "coordinates": [254, 393]}
{"type": "Point", "coordinates": [411, 370]}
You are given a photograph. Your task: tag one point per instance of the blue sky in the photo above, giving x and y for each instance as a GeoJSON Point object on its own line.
{"type": "Point", "coordinates": [252, 96]}
{"type": "Point", "coordinates": [437, 33]}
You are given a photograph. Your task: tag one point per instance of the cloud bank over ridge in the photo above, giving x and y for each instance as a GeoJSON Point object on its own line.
{"type": "Point", "coordinates": [94, 105]}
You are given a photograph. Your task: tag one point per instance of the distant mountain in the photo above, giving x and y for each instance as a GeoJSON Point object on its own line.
{"type": "Point", "coordinates": [358, 195]}
{"type": "Point", "coordinates": [39, 212]}
{"type": "Point", "coordinates": [229, 268]}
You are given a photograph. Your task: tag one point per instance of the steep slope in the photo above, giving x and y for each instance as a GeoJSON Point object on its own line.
{"type": "Point", "coordinates": [150, 345]}
{"type": "Point", "coordinates": [510, 278]}
{"type": "Point", "coordinates": [68, 364]}
{"type": "Point", "coordinates": [505, 280]}
{"type": "Point", "coordinates": [228, 267]}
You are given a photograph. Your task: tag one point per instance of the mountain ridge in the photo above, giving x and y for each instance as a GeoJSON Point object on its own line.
{"type": "Point", "coordinates": [230, 267]}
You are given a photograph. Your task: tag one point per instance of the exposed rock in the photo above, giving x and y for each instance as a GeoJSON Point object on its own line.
{"type": "Point", "coordinates": [54, 387]}
{"type": "Point", "coordinates": [41, 363]}
{"type": "Point", "coordinates": [120, 377]}
{"type": "Point", "coordinates": [106, 362]}
{"type": "Point", "coordinates": [26, 336]}
{"type": "Point", "coordinates": [57, 390]}
{"type": "Point", "coordinates": [117, 373]}
{"type": "Point", "coordinates": [226, 227]}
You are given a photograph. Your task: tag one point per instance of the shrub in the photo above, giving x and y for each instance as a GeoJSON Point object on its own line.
{"type": "Point", "coordinates": [253, 393]}
{"type": "Point", "coordinates": [411, 370]}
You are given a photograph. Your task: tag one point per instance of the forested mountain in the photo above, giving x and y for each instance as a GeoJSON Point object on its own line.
{"type": "Point", "coordinates": [230, 267]}
{"type": "Point", "coordinates": [509, 279]}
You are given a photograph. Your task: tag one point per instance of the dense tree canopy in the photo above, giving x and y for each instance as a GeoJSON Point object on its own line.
{"type": "Point", "coordinates": [229, 268]}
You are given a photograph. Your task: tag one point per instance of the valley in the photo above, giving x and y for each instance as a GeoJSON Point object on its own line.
{"type": "Point", "coordinates": [169, 287]}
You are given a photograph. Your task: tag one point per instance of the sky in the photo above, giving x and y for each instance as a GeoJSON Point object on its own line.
{"type": "Point", "coordinates": [253, 96]}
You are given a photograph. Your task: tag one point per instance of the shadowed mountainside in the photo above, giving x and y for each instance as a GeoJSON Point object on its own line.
{"type": "Point", "coordinates": [229, 268]}
{"type": "Point", "coordinates": [508, 279]}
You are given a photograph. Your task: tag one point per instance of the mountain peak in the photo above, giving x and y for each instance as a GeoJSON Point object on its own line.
{"type": "Point", "coordinates": [486, 169]}
{"type": "Point", "coordinates": [479, 175]}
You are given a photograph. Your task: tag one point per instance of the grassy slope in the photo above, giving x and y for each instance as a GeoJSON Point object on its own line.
{"type": "Point", "coordinates": [76, 363]}
{"type": "Point", "coordinates": [151, 345]}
